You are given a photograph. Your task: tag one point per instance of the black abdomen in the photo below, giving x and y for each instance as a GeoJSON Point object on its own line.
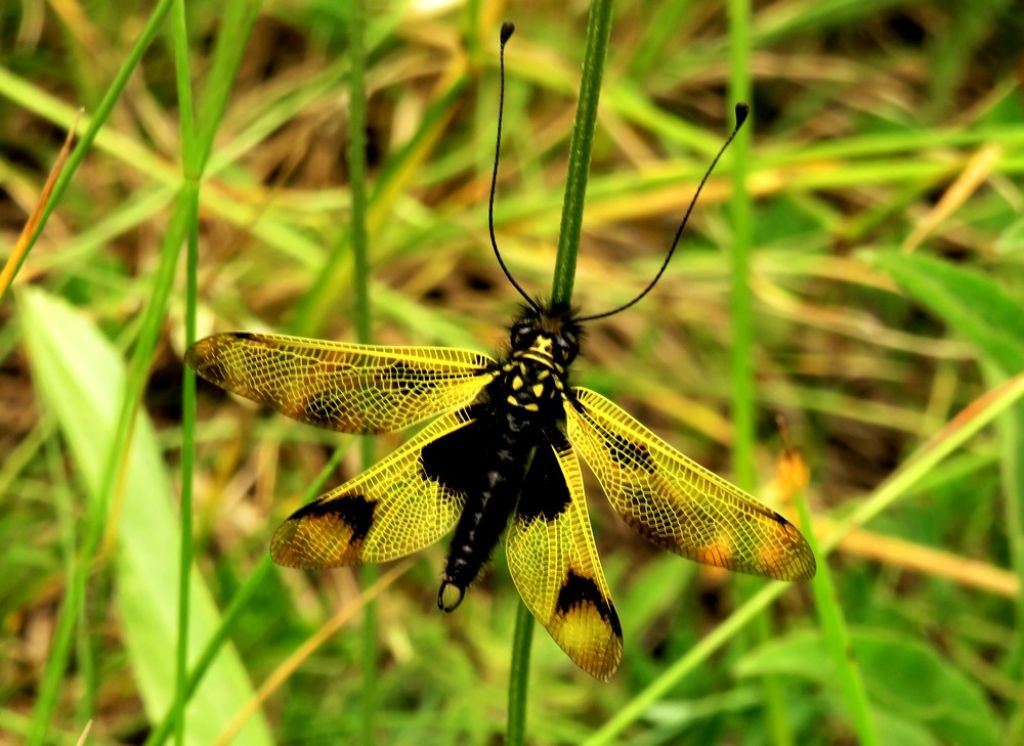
{"type": "Point", "coordinates": [486, 461]}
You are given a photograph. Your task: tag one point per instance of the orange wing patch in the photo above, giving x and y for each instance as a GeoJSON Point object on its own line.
{"type": "Point", "coordinates": [677, 503]}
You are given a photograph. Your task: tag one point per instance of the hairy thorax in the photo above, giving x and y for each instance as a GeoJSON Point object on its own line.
{"type": "Point", "coordinates": [532, 379]}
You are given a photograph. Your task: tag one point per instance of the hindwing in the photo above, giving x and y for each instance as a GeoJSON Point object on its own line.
{"type": "Point", "coordinates": [554, 562]}
{"type": "Point", "coordinates": [404, 503]}
{"type": "Point", "coordinates": [677, 503]}
{"type": "Point", "coordinates": [348, 387]}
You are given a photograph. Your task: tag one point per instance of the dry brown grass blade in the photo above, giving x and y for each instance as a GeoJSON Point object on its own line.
{"type": "Point", "coordinates": [318, 638]}
{"type": "Point", "coordinates": [978, 169]}
{"type": "Point", "coordinates": [77, 23]}
{"type": "Point", "coordinates": [935, 563]}
{"type": "Point", "coordinates": [85, 731]}
{"type": "Point", "coordinates": [18, 253]}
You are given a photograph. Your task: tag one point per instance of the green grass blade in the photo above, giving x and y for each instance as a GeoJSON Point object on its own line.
{"type": "Point", "coordinates": [236, 21]}
{"type": "Point", "coordinates": [97, 121]}
{"type": "Point", "coordinates": [186, 126]}
{"type": "Point", "coordinates": [1011, 428]}
{"type": "Point", "coordinates": [912, 685]}
{"type": "Point", "coordinates": [837, 636]}
{"type": "Point", "coordinates": [741, 364]}
{"type": "Point", "coordinates": [968, 301]}
{"type": "Point", "coordinates": [741, 353]}
{"type": "Point", "coordinates": [188, 423]}
{"type": "Point", "coordinates": [661, 32]}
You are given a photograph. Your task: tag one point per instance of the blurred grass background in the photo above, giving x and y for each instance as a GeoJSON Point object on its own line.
{"type": "Point", "coordinates": [886, 221]}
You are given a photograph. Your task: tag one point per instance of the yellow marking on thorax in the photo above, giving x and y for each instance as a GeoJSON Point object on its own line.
{"type": "Point", "coordinates": [547, 362]}
{"type": "Point", "coordinates": [540, 352]}
{"type": "Point", "coordinates": [542, 345]}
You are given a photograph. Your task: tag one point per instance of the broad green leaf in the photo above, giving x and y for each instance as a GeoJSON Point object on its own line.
{"type": "Point", "coordinates": [80, 379]}
{"type": "Point", "coordinates": [968, 301]}
{"type": "Point", "coordinates": [905, 680]}
{"type": "Point", "coordinates": [912, 679]}
{"type": "Point", "coordinates": [800, 655]}
{"type": "Point", "coordinates": [897, 731]}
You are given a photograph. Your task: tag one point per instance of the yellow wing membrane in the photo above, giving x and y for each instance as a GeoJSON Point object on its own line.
{"type": "Point", "coordinates": [555, 566]}
{"type": "Point", "coordinates": [389, 511]}
{"type": "Point", "coordinates": [677, 503]}
{"type": "Point", "coordinates": [347, 387]}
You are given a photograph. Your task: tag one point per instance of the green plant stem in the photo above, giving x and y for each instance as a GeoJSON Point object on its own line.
{"type": "Point", "coordinates": [581, 143]}
{"type": "Point", "coordinates": [957, 432]}
{"type": "Point", "coordinates": [837, 636]}
{"type": "Point", "coordinates": [357, 168]}
{"type": "Point", "coordinates": [519, 677]}
{"type": "Point", "coordinates": [179, 36]}
{"type": "Point", "coordinates": [599, 24]}
{"type": "Point", "coordinates": [742, 347]}
{"type": "Point", "coordinates": [772, 691]}
{"type": "Point", "coordinates": [361, 291]}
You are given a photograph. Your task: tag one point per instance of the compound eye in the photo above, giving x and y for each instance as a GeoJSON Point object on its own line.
{"type": "Point", "coordinates": [567, 346]}
{"type": "Point", "coordinates": [519, 333]}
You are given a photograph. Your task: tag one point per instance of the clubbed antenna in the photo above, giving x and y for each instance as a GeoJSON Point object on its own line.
{"type": "Point", "coordinates": [507, 30]}
{"type": "Point", "coordinates": [741, 116]}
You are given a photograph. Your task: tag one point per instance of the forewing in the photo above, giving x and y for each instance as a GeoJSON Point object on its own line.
{"type": "Point", "coordinates": [347, 387]}
{"type": "Point", "coordinates": [391, 510]}
{"type": "Point", "coordinates": [554, 562]}
{"type": "Point", "coordinates": [678, 503]}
